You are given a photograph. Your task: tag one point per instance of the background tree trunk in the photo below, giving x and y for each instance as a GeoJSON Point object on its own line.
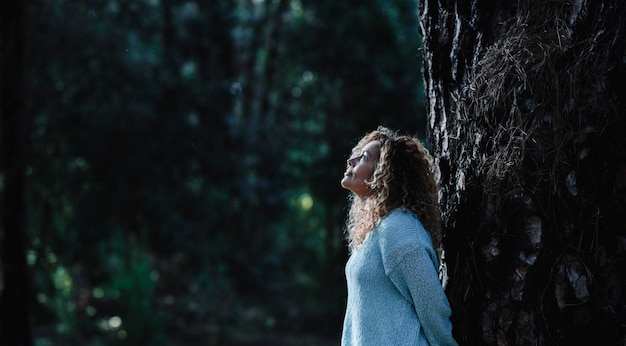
{"type": "Point", "coordinates": [14, 307]}
{"type": "Point", "coordinates": [526, 109]}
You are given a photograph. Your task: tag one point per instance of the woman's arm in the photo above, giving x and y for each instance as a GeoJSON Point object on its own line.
{"type": "Point", "coordinates": [416, 278]}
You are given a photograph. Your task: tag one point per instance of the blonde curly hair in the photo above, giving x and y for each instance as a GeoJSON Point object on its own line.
{"type": "Point", "coordinates": [403, 178]}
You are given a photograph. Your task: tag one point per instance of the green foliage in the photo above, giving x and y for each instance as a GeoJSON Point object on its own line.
{"type": "Point", "coordinates": [128, 295]}
{"type": "Point", "coordinates": [186, 159]}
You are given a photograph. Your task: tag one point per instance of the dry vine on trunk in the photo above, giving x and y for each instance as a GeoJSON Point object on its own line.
{"type": "Point", "coordinates": [526, 105]}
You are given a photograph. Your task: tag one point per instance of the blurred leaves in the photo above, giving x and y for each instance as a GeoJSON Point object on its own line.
{"type": "Point", "coordinates": [186, 158]}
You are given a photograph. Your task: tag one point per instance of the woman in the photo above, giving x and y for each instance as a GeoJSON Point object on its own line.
{"type": "Point", "coordinates": [394, 293]}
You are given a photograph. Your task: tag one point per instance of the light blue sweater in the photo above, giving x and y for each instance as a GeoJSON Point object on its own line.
{"type": "Point", "coordinates": [394, 293]}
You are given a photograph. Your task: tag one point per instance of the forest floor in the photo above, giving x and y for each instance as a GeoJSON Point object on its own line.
{"type": "Point", "coordinates": [47, 337]}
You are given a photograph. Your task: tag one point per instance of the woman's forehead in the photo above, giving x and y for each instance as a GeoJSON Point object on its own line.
{"type": "Point", "coordinates": [372, 148]}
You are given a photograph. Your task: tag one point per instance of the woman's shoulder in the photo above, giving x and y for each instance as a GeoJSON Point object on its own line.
{"type": "Point", "coordinates": [400, 219]}
{"type": "Point", "coordinates": [399, 233]}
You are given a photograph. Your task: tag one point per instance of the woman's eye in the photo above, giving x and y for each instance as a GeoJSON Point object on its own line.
{"type": "Point", "coordinates": [355, 159]}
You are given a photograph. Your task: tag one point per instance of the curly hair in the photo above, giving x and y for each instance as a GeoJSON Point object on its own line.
{"type": "Point", "coordinates": [403, 178]}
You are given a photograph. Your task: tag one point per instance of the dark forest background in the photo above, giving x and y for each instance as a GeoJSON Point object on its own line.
{"type": "Point", "coordinates": [183, 158]}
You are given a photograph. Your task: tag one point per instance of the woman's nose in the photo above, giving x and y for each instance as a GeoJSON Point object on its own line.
{"type": "Point", "coordinates": [350, 162]}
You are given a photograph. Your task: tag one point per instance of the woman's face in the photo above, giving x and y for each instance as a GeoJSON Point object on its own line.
{"type": "Point", "coordinates": [361, 166]}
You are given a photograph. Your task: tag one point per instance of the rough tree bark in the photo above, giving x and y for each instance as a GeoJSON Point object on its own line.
{"type": "Point", "coordinates": [526, 107]}
{"type": "Point", "coordinates": [14, 307]}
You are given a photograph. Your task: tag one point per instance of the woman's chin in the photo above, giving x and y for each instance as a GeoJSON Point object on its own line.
{"type": "Point", "coordinates": [343, 182]}
{"type": "Point", "coordinates": [350, 187]}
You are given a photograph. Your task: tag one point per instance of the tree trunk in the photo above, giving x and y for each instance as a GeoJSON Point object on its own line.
{"type": "Point", "coordinates": [525, 104]}
{"type": "Point", "coordinates": [14, 307]}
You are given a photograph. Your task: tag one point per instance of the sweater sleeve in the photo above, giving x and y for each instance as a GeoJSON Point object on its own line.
{"type": "Point", "coordinates": [415, 276]}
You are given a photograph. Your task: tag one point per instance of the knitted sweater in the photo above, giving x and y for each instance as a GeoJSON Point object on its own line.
{"type": "Point", "coordinates": [394, 293]}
